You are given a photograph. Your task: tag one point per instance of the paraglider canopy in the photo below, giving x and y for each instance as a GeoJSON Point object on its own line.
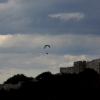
{"type": "Point", "coordinates": [46, 46]}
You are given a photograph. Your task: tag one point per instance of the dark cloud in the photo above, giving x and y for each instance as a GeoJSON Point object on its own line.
{"type": "Point", "coordinates": [4, 1]}
{"type": "Point", "coordinates": [33, 17]}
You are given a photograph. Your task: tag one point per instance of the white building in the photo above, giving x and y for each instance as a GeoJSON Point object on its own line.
{"type": "Point", "coordinates": [94, 64]}
{"type": "Point", "coordinates": [81, 65]}
{"type": "Point", "coordinates": [10, 86]}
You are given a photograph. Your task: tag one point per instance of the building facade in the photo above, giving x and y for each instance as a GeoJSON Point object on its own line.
{"type": "Point", "coordinates": [94, 64]}
{"type": "Point", "coordinates": [81, 65]}
{"type": "Point", "coordinates": [10, 86]}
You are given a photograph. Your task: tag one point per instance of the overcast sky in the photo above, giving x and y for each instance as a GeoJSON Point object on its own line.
{"type": "Point", "coordinates": [70, 27]}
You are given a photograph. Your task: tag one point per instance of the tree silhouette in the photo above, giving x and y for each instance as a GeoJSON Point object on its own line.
{"type": "Point", "coordinates": [43, 75]}
{"type": "Point", "coordinates": [56, 86]}
{"type": "Point", "coordinates": [17, 78]}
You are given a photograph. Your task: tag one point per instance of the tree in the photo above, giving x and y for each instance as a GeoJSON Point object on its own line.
{"type": "Point", "coordinates": [43, 75]}
{"type": "Point", "coordinates": [17, 78]}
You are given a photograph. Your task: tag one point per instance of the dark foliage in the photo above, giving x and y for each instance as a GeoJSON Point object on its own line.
{"type": "Point", "coordinates": [85, 85]}
{"type": "Point", "coordinates": [17, 78]}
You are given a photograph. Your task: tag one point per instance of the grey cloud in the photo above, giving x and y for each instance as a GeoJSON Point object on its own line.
{"type": "Point", "coordinates": [32, 17]}
{"type": "Point", "coordinates": [4, 1]}
{"type": "Point", "coordinates": [60, 44]}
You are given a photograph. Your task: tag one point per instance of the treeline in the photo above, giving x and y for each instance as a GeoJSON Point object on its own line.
{"type": "Point", "coordinates": [48, 86]}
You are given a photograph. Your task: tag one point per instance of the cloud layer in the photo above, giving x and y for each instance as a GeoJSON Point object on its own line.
{"type": "Point", "coordinates": [21, 16]}
{"type": "Point", "coordinates": [22, 53]}
{"type": "Point", "coordinates": [67, 16]}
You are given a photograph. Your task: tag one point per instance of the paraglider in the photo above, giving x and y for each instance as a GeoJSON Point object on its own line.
{"type": "Point", "coordinates": [46, 46]}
